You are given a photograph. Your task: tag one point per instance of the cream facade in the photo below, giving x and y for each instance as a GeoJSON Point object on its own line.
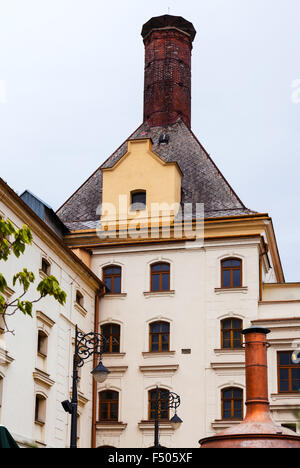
{"type": "Point", "coordinates": [36, 362]}
{"type": "Point", "coordinates": [195, 367]}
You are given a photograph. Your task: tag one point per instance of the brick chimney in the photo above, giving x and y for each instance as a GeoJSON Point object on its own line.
{"type": "Point", "coordinates": [168, 47]}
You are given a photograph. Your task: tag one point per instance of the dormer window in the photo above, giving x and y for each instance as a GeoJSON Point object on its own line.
{"type": "Point", "coordinates": [138, 200]}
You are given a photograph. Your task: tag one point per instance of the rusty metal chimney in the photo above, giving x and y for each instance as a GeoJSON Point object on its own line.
{"type": "Point", "coordinates": [258, 429]}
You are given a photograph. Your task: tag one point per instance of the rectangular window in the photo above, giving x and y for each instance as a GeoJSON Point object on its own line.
{"type": "Point", "coordinates": [288, 373]}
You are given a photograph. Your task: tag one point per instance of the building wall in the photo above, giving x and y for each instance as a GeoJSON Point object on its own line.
{"type": "Point", "coordinates": [194, 308]}
{"type": "Point", "coordinates": [26, 373]}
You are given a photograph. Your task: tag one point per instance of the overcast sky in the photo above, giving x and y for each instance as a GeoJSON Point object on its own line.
{"type": "Point", "coordinates": [71, 91]}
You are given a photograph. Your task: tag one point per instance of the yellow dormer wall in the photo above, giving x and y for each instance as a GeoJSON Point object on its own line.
{"type": "Point", "coordinates": [141, 169]}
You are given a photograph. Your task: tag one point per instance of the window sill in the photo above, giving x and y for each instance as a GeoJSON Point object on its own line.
{"type": "Point", "coordinates": [110, 426]}
{"type": "Point", "coordinates": [159, 354]}
{"type": "Point", "coordinates": [230, 351]}
{"type": "Point", "coordinates": [43, 275]}
{"type": "Point", "coordinates": [225, 423]}
{"type": "Point", "coordinates": [115, 296]}
{"type": "Point", "coordinates": [80, 309]}
{"type": "Point", "coordinates": [39, 423]}
{"type": "Point", "coordinates": [163, 425]}
{"type": "Point", "coordinates": [171, 292]}
{"type": "Point", "coordinates": [242, 290]}
{"type": "Point", "coordinates": [113, 355]}
{"type": "Point", "coordinates": [285, 396]}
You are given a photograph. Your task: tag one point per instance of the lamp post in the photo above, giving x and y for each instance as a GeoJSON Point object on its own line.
{"type": "Point", "coordinates": [168, 400]}
{"type": "Point", "coordinates": [86, 345]}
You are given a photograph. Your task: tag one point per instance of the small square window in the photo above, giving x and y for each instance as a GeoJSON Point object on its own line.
{"type": "Point", "coordinates": [138, 200]}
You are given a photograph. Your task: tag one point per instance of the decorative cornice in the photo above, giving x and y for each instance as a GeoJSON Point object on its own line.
{"type": "Point", "coordinates": [117, 371]}
{"type": "Point", "coordinates": [5, 358]}
{"type": "Point", "coordinates": [45, 319]}
{"type": "Point", "coordinates": [243, 290]}
{"type": "Point", "coordinates": [152, 371]}
{"type": "Point", "coordinates": [110, 426]}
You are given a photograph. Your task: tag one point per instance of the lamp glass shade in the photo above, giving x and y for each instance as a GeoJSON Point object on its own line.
{"type": "Point", "coordinates": [296, 357]}
{"type": "Point", "coordinates": [100, 373]}
{"type": "Point", "coordinates": [175, 421]}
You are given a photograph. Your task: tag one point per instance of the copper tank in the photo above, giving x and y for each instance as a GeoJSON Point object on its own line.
{"type": "Point", "coordinates": [258, 429]}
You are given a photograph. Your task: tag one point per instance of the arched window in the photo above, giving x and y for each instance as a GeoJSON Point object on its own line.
{"type": "Point", "coordinates": [231, 333]}
{"type": "Point", "coordinates": [232, 403]}
{"type": "Point", "coordinates": [112, 279]}
{"type": "Point", "coordinates": [231, 273]}
{"type": "Point", "coordinates": [138, 200]}
{"type": "Point", "coordinates": [159, 337]}
{"type": "Point", "coordinates": [160, 277]}
{"type": "Point", "coordinates": [111, 332]}
{"type": "Point", "coordinates": [108, 405]}
{"type": "Point", "coordinates": [159, 401]}
{"type": "Point", "coordinates": [40, 409]}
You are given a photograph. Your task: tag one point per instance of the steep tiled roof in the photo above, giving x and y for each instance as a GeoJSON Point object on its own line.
{"type": "Point", "coordinates": [202, 182]}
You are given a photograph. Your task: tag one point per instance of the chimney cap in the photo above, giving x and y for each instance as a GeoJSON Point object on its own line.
{"type": "Point", "coordinates": [255, 329]}
{"type": "Point", "coordinates": [169, 21]}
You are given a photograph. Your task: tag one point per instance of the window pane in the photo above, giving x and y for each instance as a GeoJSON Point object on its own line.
{"type": "Point", "coordinates": [235, 263]}
{"type": "Point", "coordinates": [104, 411]}
{"type": "Point", "coordinates": [107, 282]}
{"type": "Point", "coordinates": [226, 324]}
{"type": "Point", "coordinates": [226, 279]}
{"type": "Point", "coordinates": [108, 271]}
{"type": "Point", "coordinates": [116, 270]}
{"type": "Point", "coordinates": [237, 324]}
{"type": "Point", "coordinates": [154, 347]}
{"type": "Point", "coordinates": [155, 283]}
{"type": "Point", "coordinates": [138, 197]}
{"type": "Point", "coordinates": [165, 338]}
{"type": "Point", "coordinates": [165, 282]}
{"type": "Point", "coordinates": [227, 394]}
{"type": "Point", "coordinates": [284, 359]}
{"type": "Point", "coordinates": [226, 264]}
{"type": "Point", "coordinates": [284, 386]}
{"type": "Point", "coordinates": [165, 327]}
{"type": "Point", "coordinates": [156, 268]}
{"type": "Point", "coordinates": [284, 374]}
{"type": "Point", "coordinates": [114, 411]}
{"type": "Point", "coordinates": [237, 393]}
{"type": "Point", "coordinates": [236, 278]}
{"type": "Point", "coordinates": [117, 284]}
{"type": "Point", "coordinates": [155, 327]}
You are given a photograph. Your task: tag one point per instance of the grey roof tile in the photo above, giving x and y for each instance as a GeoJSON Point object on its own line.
{"type": "Point", "coordinates": [202, 182]}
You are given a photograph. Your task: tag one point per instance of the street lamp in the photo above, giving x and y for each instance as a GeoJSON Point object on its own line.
{"type": "Point", "coordinates": [170, 401]}
{"type": "Point", "coordinates": [86, 345]}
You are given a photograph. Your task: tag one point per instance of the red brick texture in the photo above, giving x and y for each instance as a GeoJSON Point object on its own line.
{"type": "Point", "coordinates": [167, 92]}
